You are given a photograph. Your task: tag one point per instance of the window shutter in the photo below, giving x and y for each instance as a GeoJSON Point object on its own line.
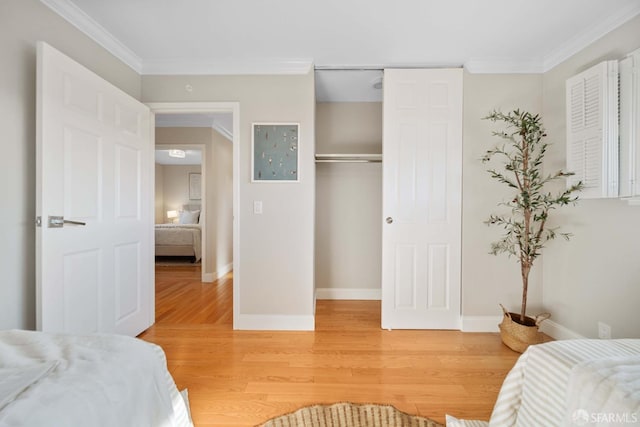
{"type": "Point", "coordinates": [630, 125]}
{"type": "Point", "coordinates": [592, 130]}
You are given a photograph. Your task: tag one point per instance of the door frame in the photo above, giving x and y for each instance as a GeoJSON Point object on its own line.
{"type": "Point", "coordinates": [218, 107]}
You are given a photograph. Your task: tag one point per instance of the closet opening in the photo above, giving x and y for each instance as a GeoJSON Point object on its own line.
{"type": "Point", "coordinates": [348, 252]}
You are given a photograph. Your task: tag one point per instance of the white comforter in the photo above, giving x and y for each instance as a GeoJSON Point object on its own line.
{"type": "Point", "coordinates": [180, 234]}
{"type": "Point", "coordinates": [99, 380]}
{"type": "Point", "coordinates": [576, 382]}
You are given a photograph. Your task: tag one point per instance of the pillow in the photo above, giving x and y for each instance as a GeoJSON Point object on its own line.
{"type": "Point", "coordinates": [189, 217]}
{"type": "Point", "coordinates": [455, 422]}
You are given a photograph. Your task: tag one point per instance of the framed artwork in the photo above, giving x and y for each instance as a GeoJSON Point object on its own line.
{"type": "Point", "coordinates": [195, 186]}
{"type": "Point", "coordinates": [275, 152]}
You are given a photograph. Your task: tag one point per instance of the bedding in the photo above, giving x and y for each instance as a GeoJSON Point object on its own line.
{"type": "Point", "coordinates": [179, 240]}
{"type": "Point", "coordinates": [189, 217]}
{"type": "Point", "coordinates": [573, 382]}
{"type": "Point", "coordinates": [98, 380]}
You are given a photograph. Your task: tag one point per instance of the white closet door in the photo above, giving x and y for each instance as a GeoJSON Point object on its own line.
{"type": "Point", "coordinates": [422, 197]}
{"type": "Point", "coordinates": [94, 159]}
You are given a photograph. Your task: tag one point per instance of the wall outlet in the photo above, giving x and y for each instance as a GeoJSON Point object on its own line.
{"type": "Point", "coordinates": [604, 331]}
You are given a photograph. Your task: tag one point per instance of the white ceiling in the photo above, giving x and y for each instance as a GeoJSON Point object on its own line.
{"type": "Point", "coordinates": [349, 85]}
{"type": "Point", "coordinates": [289, 36]}
{"type": "Point", "coordinates": [222, 122]}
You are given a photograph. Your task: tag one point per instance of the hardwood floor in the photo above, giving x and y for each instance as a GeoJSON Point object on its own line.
{"type": "Point", "coordinates": [242, 378]}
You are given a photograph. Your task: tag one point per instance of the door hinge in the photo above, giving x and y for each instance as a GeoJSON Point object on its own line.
{"type": "Point", "coordinates": [38, 221]}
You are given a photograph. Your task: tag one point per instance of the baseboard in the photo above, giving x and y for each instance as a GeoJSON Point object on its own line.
{"type": "Point", "coordinates": [481, 323]}
{"type": "Point", "coordinates": [212, 277]}
{"type": "Point", "coordinates": [274, 322]}
{"type": "Point", "coordinates": [490, 324]}
{"type": "Point", "coordinates": [348, 293]}
{"type": "Point", "coordinates": [559, 332]}
{"type": "Point", "coordinates": [223, 271]}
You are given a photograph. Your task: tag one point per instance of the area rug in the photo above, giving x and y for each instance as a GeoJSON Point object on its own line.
{"type": "Point", "coordinates": [349, 415]}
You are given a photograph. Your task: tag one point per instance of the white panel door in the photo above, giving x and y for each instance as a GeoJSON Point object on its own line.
{"type": "Point", "coordinates": [422, 171]}
{"type": "Point", "coordinates": [94, 166]}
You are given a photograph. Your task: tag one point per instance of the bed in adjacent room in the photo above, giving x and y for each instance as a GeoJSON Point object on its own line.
{"type": "Point", "coordinates": [94, 380]}
{"type": "Point", "coordinates": [183, 238]}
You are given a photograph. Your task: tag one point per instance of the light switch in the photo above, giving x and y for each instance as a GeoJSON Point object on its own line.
{"type": "Point", "coordinates": [257, 207]}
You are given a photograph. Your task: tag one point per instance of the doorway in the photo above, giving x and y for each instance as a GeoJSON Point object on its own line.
{"type": "Point", "coordinates": [212, 268]}
{"type": "Point", "coordinates": [180, 210]}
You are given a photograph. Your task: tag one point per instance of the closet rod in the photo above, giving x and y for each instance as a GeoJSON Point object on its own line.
{"type": "Point", "coordinates": [349, 161]}
{"type": "Point", "coordinates": [348, 158]}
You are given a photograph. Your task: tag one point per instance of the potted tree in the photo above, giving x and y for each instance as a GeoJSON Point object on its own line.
{"type": "Point", "coordinates": [525, 227]}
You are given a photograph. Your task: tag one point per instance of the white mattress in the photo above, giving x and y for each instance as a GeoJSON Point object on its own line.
{"type": "Point", "coordinates": [99, 380]}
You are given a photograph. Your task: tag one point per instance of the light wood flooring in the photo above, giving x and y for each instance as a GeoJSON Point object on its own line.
{"type": "Point", "coordinates": [242, 378]}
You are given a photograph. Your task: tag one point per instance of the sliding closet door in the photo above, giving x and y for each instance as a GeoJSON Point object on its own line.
{"type": "Point", "coordinates": [422, 197]}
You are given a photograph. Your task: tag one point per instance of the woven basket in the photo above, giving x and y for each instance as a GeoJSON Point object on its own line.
{"type": "Point", "coordinates": [518, 337]}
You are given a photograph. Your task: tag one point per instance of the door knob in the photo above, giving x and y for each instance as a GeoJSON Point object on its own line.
{"type": "Point", "coordinates": [389, 220]}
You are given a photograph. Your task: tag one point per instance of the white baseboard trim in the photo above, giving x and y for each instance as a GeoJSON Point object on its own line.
{"type": "Point", "coordinates": [559, 332]}
{"type": "Point", "coordinates": [224, 270]}
{"type": "Point", "coordinates": [490, 324]}
{"type": "Point", "coordinates": [481, 323]}
{"type": "Point", "coordinates": [212, 277]}
{"type": "Point", "coordinates": [348, 293]}
{"type": "Point", "coordinates": [274, 322]}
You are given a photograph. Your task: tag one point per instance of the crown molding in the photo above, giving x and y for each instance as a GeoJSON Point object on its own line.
{"type": "Point", "coordinates": [83, 22]}
{"type": "Point", "coordinates": [581, 41]}
{"type": "Point", "coordinates": [195, 121]}
{"type": "Point", "coordinates": [223, 131]}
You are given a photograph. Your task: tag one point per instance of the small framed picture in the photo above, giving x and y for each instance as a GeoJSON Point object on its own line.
{"type": "Point", "coordinates": [275, 152]}
{"type": "Point", "coordinates": [195, 186]}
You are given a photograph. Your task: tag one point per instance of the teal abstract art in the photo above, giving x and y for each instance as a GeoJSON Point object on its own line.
{"type": "Point", "coordinates": [275, 151]}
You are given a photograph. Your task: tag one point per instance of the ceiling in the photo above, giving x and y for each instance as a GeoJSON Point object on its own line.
{"type": "Point", "coordinates": [289, 36]}
{"type": "Point", "coordinates": [192, 157]}
{"type": "Point", "coordinates": [221, 122]}
{"type": "Point", "coordinates": [349, 85]}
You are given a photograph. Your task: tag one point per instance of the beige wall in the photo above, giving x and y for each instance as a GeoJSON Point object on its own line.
{"type": "Point", "coordinates": [348, 127]}
{"type": "Point", "coordinates": [22, 24]}
{"type": "Point", "coordinates": [175, 184]}
{"type": "Point", "coordinates": [349, 198]}
{"type": "Point", "coordinates": [221, 173]}
{"type": "Point", "coordinates": [592, 278]}
{"type": "Point", "coordinates": [486, 279]}
{"type": "Point", "coordinates": [596, 276]}
{"type": "Point", "coordinates": [160, 213]}
{"type": "Point", "coordinates": [276, 248]}
{"type": "Point", "coordinates": [218, 155]}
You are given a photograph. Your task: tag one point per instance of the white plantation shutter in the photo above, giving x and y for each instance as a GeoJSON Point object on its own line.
{"type": "Point", "coordinates": [630, 125]}
{"type": "Point", "coordinates": [592, 130]}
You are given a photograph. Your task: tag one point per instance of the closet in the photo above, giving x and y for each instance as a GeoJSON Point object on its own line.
{"type": "Point", "coordinates": [348, 200]}
{"type": "Point", "coordinates": [389, 227]}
